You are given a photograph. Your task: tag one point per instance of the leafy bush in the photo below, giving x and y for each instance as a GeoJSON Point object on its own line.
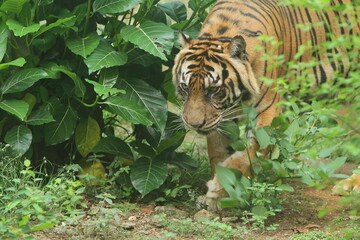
{"type": "Point", "coordinates": [72, 72]}
{"type": "Point", "coordinates": [27, 204]}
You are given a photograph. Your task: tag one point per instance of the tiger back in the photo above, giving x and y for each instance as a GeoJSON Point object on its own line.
{"type": "Point", "coordinates": [223, 67]}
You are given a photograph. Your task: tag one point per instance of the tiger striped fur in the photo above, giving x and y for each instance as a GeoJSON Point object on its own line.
{"type": "Point", "coordinates": [223, 67]}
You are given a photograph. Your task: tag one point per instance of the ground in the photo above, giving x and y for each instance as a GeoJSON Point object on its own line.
{"type": "Point", "coordinates": [298, 220]}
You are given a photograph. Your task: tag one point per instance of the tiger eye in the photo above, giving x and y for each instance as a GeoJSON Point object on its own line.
{"type": "Point", "coordinates": [213, 90]}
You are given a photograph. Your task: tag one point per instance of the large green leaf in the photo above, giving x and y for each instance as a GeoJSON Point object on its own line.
{"type": "Point", "coordinates": [147, 175]}
{"type": "Point", "coordinates": [114, 6]}
{"type": "Point", "coordinates": [40, 116]}
{"type": "Point", "coordinates": [22, 80]}
{"type": "Point", "coordinates": [109, 76]}
{"type": "Point", "coordinates": [20, 30]}
{"type": "Point", "coordinates": [87, 135]}
{"type": "Point", "coordinates": [19, 138]}
{"type": "Point", "coordinates": [262, 137]}
{"type": "Point", "coordinates": [155, 38]}
{"type": "Point", "coordinates": [105, 56]}
{"type": "Point", "coordinates": [19, 62]}
{"type": "Point", "coordinates": [17, 107]}
{"type": "Point", "coordinates": [46, 42]}
{"type": "Point", "coordinates": [128, 110]}
{"type": "Point", "coordinates": [151, 99]}
{"type": "Point", "coordinates": [60, 22]}
{"type": "Point", "coordinates": [176, 10]}
{"type": "Point", "coordinates": [235, 185]}
{"type": "Point", "coordinates": [3, 40]}
{"type": "Point", "coordinates": [63, 127]}
{"type": "Point", "coordinates": [115, 146]}
{"type": "Point", "coordinates": [169, 139]}
{"type": "Point", "coordinates": [80, 88]}
{"type": "Point", "coordinates": [83, 46]}
{"type": "Point", "coordinates": [179, 159]}
{"type": "Point", "coordinates": [101, 89]}
{"type": "Point", "coordinates": [13, 6]}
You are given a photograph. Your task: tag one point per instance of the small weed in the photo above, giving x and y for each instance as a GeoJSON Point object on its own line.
{"type": "Point", "coordinates": [206, 229]}
{"type": "Point", "coordinates": [315, 235]}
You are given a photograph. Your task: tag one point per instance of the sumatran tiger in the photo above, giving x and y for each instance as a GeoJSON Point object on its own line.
{"type": "Point", "coordinates": [223, 67]}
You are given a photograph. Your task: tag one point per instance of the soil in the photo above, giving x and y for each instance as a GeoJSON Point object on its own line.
{"type": "Point", "coordinates": [139, 221]}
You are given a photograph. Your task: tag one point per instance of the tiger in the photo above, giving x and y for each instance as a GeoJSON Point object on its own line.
{"type": "Point", "coordinates": [223, 67]}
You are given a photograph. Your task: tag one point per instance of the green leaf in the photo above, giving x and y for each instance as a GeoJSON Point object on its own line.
{"type": "Point", "coordinates": [171, 138]}
{"type": "Point", "coordinates": [260, 211]}
{"type": "Point", "coordinates": [22, 80]}
{"type": "Point", "coordinates": [58, 23]}
{"type": "Point", "coordinates": [275, 152]}
{"type": "Point", "coordinates": [181, 160]}
{"type": "Point", "coordinates": [19, 138]}
{"type": "Point", "coordinates": [109, 76]}
{"type": "Point", "coordinates": [229, 202]}
{"type": "Point", "coordinates": [168, 140]}
{"type": "Point", "coordinates": [155, 38]}
{"type": "Point", "coordinates": [46, 42]}
{"type": "Point", "coordinates": [176, 10]}
{"type": "Point", "coordinates": [141, 57]}
{"type": "Point", "coordinates": [101, 89]}
{"type": "Point", "coordinates": [63, 127]}
{"type": "Point", "coordinates": [17, 107]}
{"type": "Point", "coordinates": [12, 6]}
{"type": "Point", "coordinates": [238, 145]}
{"type": "Point", "coordinates": [228, 178]}
{"type": "Point", "coordinates": [42, 226]}
{"type": "Point", "coordinates": [115, 146]}
{"type": "Point", "coordinates": [80, 12]}
{"type": "Point", "coordinates": [142, 94]}
{"type": "Point", "coordinates": [3, 40]}
{"type": "Point", "coordinates": [24, 220]}
{"type": "Point", "coordinates": [40, 116]}
{"type": "Point", "coordinates": [114, 6]}
{"type": "Point", "coordinates": [285, 187]}
{"type": "Point", "coordinates": [19, 62]}
{"type": "Point", "coordinates": [80, 88]}
{"type": "Point", "coordinates": [128, 110]}
{"type": "Point", "coordinates": [147, 175]}
{"type": "Point", "coordinates": [262, 137]}
{"type": "Point", "coordinates": [280, 122]}
{"type": "Point", "coordinates": [335, 164]}
{"type": "Point", "coordinates": [83, 46]}
{"type": "Point", "coordinates": [20, 30]}
{"type": "Point", "coordinates": [327, 151]}
{"type": "Point", "coordinates": [87, 135]}
{"type": "Point", "coordinates": [105, 56]}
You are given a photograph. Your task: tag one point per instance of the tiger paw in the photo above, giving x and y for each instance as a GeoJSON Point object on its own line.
{"type": "Point", "coordinates": [346, 186]}
{"type": "Point", "coordinates": [214, 194]}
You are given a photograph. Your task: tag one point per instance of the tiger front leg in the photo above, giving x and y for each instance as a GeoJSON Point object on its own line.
{"type": "Point", "coordinates": [238, 160]}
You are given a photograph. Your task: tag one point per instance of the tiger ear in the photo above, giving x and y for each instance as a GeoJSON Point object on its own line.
{"type": "Point", "coordinates": [184, 39]}
{"type": "Point", "coordinates": [237, 47]}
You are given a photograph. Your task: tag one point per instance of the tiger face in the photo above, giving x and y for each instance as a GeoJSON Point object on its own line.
{"type": "Point", "coordinates": [213, 77]}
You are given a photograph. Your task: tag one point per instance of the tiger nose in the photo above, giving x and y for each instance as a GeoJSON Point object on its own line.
{"type": "Point", "coordinates": [197, 125]}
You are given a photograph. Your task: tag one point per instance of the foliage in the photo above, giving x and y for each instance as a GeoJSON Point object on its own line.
{"type": "Point", "coordinates": [72, 72]}
{"type": "Point", "coordinates": [27, 205]}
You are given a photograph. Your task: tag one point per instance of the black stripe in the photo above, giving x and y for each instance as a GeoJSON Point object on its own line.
{"type": "Point", "coordinates": [272, 103]}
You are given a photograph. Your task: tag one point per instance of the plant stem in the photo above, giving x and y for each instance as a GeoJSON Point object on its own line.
{"type": "Point", "coordinates": [87, 104]}
{"type": "Point", "coordinates": [87, 16]}
{"type": "Point", "coordinates": [194, 14]}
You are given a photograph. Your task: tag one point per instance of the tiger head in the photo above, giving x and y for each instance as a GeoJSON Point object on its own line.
{"type": "Point", "coordinates": [213, 77]}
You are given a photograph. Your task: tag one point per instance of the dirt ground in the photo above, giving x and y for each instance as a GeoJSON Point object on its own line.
{"type": "Point", "coordinates": [148, 221]}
